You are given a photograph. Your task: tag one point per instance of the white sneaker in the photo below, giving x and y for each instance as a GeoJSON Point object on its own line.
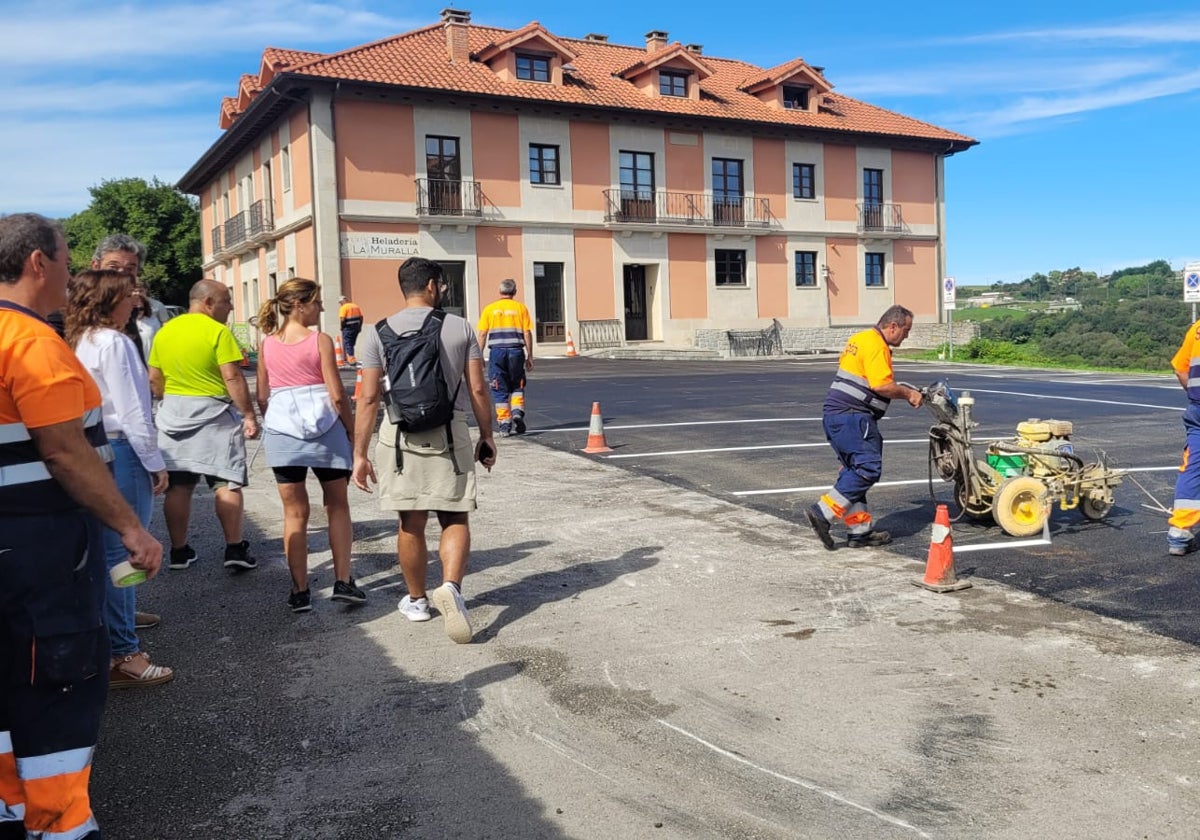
{"type": "Point", "coordinates": [417, 610]}
{"type": "Point", "coordinates": [449, 602]}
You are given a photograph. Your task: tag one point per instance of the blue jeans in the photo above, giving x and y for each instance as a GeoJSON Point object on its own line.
{"type": "Point", "coordinates": [120, 604]}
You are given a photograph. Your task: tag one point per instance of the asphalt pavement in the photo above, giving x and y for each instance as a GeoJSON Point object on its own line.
{"type": "Point", "coordinates": [649, 661]}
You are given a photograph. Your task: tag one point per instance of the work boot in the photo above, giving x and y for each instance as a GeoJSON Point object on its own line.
{"type": "Point", "coordinates": [816, 518]}
{"type": "Point", "coordinates": [871, 539]}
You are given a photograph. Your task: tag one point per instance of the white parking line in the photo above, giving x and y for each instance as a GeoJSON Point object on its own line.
{"type": "Point", "coordinates": [783, 490]}
{"type": "Point", "coordinates": [1075, 399]}
{"type": "Point", "coordinates": [827, 486]}
{"type": "Point", "coordinates": [743, 449]}
{"type": "Point", "coordinates": [689, 423]}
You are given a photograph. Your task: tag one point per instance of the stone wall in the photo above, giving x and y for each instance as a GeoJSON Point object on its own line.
{"type": "Point", "coordinates": [832, 339]}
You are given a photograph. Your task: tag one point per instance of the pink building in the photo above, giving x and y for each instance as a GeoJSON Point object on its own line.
{"type": "Point", "coordinates": [658, 189]}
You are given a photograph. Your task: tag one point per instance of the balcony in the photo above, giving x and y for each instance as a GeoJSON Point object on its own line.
{"type": "Point", "coordinates": [659, 207]}
{"type": "Point", "coordinates": [216, 240]}
{"type": "Point", "coordinates": [262, 218]}
{"type": "Point", "coordinates": [438, 197]}
{"type": "Point", "coordinates": [235, 230]}
{"type": "Point", "coordinates": [878, 217]}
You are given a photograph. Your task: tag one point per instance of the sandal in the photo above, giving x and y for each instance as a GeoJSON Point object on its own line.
{"type": "Point", "coordinates": [135, 671]}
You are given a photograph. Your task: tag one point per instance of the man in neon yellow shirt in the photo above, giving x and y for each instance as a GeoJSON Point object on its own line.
{"type": "Point", "coordinates": [195, 366]}
{"type": "Point", "coordinates": [507, 324]}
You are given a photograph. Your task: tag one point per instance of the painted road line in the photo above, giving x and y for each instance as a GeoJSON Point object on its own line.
{"type": "Point", "coordinates": [742, 449]}
{"type": "Point", "coordinates": [1074, 399]}
{"type": "Point", "coordinates": [608, 427]}
{"type": "Point", "coordinates": [1045, 540]}
{"type": "Point", "coordinates": [906, 482]}
{"type": "Point", "coordinates": [828, 484]}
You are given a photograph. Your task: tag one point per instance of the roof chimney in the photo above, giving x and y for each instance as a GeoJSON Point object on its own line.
{"type": "Point", "coordinates": [597, 37]}
{"type": "Point", "coordinates": [656, 39]}
{"type": "Point", "coordinates": [455, 22]}
{"type": "Point", "coordinates": [695, 49]}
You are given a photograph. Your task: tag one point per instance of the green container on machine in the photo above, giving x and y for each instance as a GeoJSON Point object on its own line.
{"type": "Point", "coordinates": [1006, 465]}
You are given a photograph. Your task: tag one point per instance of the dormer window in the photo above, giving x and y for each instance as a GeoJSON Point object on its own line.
{"type": "Point", "coordinates": [672, 83]}
{"type": "Point", "coordinates": [795, 97]}
{"type": "Point", "coordinates": [533, 68]}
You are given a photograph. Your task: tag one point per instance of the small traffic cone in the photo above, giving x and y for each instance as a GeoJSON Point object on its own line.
{"type": "Point", "coordinates": [357, 385]}
{"type": "Point", "coordinates": [939, 569]}
{"type": "Point", "coordinates": [570, 347]}
{"type": "Point", "coordinates": [596, 442]}
{"type": "Point", "coordinates": [338, 352]}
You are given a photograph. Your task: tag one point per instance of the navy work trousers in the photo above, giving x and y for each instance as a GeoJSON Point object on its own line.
{"type": "Point", "coordinates": [855, 438]}
{"type": "Point", "coordinates": [54, 663]}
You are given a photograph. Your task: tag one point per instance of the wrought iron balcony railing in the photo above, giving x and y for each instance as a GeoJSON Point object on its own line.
{"type": "Point", "coordinates": [262, 217]}
{"type": "Point", "coordinates": [880, 217]}
{"type": "Point", "coordinates": [216, 239]}
{"type": "Point", "coordinates": [438, 197]}
{"type": "Point", "coordinates": [675, 208]}
{"type": "Point", "coordinates": [235, 230]}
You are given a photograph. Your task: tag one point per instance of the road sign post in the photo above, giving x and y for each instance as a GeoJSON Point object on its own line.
{"type": "Point", "coordinates": [949, 289]}
{"type": "Point", "coordinates": [1191, 285]}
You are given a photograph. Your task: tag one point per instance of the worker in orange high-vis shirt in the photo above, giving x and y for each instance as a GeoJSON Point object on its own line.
{"type": "Point", "coordinates": [1185, 511]}
{"type": "Point", "coordinates": [55, 491]}
{"type": "Point", "coordinates": [862, 389]}
{"type": "Point", "coordinates": [350, 321]}
{"type": "Point", "coordinates": [506, 338]}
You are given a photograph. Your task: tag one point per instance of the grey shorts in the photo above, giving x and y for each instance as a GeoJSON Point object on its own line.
{"type": "Point", "coordinates": [429, 481]}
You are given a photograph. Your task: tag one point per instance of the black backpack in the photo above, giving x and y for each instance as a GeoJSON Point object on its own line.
{"type": "Point", "coordinates": [417, 398]}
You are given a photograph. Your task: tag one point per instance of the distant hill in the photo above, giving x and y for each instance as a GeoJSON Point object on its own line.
{"type": "Point", "coordinates": [1132, 319]}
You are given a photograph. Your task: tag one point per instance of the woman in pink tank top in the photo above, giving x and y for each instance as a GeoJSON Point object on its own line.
{"type": "Point", "coordinates": [306, 424]}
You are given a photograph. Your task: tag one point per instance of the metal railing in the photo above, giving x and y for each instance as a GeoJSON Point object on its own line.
{"type": "Point", "coordinates": [594, 334]}
{"type": "Point", "coordinates": [436, 197]}
{"type": "Point", "coordinates": [768, 342]}
{"type": "Point", "coordinates": [216, 239]}
{"type": "Point", "coordinates": [235, 230]}
{"type": "Point", "coordinates": [676, 208]}
{"type": "Point", "coordinates": [879, 216]}
{"type": "Point", "coordinates": [262, 217]}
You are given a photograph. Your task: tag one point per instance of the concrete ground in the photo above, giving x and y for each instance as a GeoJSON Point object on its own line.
{"type": "Point", "coordinates": [648, 662]}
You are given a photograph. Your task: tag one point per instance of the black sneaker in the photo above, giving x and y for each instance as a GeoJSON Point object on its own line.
{"type": "Point", "coordinates": [820, 524]}
{"type": "Point", "coordinates": [519, 423]}
{"type": "Point", "coordinates": [237, 556]}
{"type": "Point", "coordinates": [300, 602]}
{"type": "Point", "coordinates": [348, 592]}
{"type": "Point", "coordinates": [871, 539]}
{"type": "Point", "coordinates": [181, 558]}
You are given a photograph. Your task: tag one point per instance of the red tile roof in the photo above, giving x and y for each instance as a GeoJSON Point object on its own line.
{"type": "Point", "coordinates": [419, 60]}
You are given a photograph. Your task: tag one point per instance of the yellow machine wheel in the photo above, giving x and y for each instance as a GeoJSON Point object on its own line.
{"type": "Point", "coordinates": [1021, 507]}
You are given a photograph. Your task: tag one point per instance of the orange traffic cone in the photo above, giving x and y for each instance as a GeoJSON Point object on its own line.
{"type": "Point", "coordinates": [596, 442]}
{"type": "Point", "coordinates": [338, 352]}
{"type": "Point", "coordinates": [357, 385]}
{"type": "Point", "coordinates": [939, 569]}
{"type": "Point", "coordinates": [570, 347]}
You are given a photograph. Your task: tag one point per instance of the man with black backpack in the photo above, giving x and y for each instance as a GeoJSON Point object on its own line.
{"type": "Point", "coordinates": [426, 367]}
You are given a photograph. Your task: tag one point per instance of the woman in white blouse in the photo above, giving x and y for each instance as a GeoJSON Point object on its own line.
{"type": "Point", "coordinates": [100, 305]}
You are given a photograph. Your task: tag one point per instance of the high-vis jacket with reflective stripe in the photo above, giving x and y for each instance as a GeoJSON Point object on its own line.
{"type": "Point", "coordinates": [42, 383]}
{"type": "Point", "coordinates": [1187, 361]}
{"type": "Point", "coordinates": [865, 364]}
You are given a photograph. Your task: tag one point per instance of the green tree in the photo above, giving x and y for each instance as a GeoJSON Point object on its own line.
{"type": "Point", "coordinates": [165, 220]}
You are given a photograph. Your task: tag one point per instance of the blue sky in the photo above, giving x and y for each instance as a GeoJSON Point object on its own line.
{"type": "Point", "coordinates": [1088, 113]}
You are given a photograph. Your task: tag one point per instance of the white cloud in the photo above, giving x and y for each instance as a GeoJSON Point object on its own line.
{"type": "Point", "coordinates": [77, 32]}
{"type": "Point", "coordinates": [1031, 109]}
{"type": "Point", "coordinates": [22, 100]}
{"type": "Point", "coordinates": [72, 155]}
{"type": "Point", "coordinates": [1184, 29]}
{"type": "Point", "coordinates": [1001, 75]}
